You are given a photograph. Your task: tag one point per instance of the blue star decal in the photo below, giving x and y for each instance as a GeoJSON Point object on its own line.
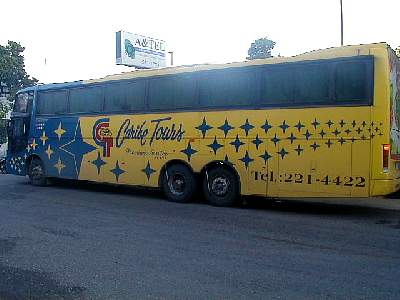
{"type": "Point", "coordinates": [284, 126]}
{"type": "Point", "coordinates": [257, 142]}
{"type": "Point", "coordinates": [307, 135]}
{"type": "Point", "coordinates": [291, 138]}
{"type": "Point", "coordinates": [315, 146]}
{"type": "Point", "coordinates": [203, 127]}
{"type": "Point", "coordinates": [283, 153]}
{"type": "Point", "coordinates": [117, 171]}
{"type": "Point", "coordinates": [265, 156]}
{"type": "Point", "coordinates": [342, 141]}
{"type": "Point", "coordinates": [189, 151]}
{"type": "Point", "coordinates": [246, 159]}
{"type": "Point", "coordinates": [247, 127]}
{"type": "Point", "coordinates": [226, 159]}
{"type": "Point", "coordinates": [329, 143]}
{"type": "Point", "coordinates": [237, 143]}
{"type": "Point", "coordinates": [98, 162]}
{"type": "Point", "coordinates": [298, 150]}
{"type": "Point", "coordinates": [329, 123]}
{"type": "Point", "coordinates": [266, 126]}
{"type": "Point", "coordinates": [226, 127]}
{"type": "Point", "coordinates": [315, 123]}
{"type": "Point", "coordinates": [299, 126]}
{"type": "Point", "coordinates": [148, 170]}
{"type": "Point", "coordinates": [215, 145]}
{"type": "Point", "coordinates": [78, 148]}
{"type": "Point", "coordinates": [275, 139]}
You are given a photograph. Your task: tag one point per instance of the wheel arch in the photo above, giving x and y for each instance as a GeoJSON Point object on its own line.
{"type": "Point", "coordinates": [29, 160]}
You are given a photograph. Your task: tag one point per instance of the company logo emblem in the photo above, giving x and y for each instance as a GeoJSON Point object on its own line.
{"type": "Point", "coordinates": [129, 49]}
{"type": "Point", "coordinates": [102, 135]}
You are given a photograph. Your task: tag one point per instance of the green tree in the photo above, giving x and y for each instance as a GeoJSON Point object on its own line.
{"type": "Point", "coordinates": [261, 48]}
{"type": "Point", "coordinates": [12, 72]}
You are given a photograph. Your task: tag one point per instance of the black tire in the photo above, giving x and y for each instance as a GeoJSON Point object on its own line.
{"type": "Point", "coordinates": [179, 183]}
{"type": "Point", "coordinates": [36, 173]}
{"type": "Point", "coordinates": [221, 187]}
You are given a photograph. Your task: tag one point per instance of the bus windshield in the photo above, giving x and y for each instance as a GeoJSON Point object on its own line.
{"type": "Point", "coordinates": [23, 102]}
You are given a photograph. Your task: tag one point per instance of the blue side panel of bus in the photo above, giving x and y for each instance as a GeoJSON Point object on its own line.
{"type": "Point", "coordinates": [61, 146]}
{"type": "Point", "coordinates": [59, 143]}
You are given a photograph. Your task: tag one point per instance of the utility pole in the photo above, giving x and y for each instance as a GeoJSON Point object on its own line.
{"type": "Point", "coordinates": [171, 53]}
{"type": "Point", "coordinates": [341, 23]}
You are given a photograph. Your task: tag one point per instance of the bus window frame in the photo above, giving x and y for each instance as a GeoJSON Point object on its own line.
{"type": "Point", "coordinates": [197, 107]}
{"type": "Point", "coordinates": [37, 97]}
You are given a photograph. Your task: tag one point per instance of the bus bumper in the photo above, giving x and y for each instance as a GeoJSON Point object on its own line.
{"type": "Point", "coordinates": [381, 187]}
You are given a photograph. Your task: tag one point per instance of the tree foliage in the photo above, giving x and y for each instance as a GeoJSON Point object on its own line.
{"type": "Point", "coordinates": [12, 72]}
{"type": "Point", "coordinates": [261, 48]}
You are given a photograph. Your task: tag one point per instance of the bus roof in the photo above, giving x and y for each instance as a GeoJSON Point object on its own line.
{"type": "Point", "coordinates": [343, 51]}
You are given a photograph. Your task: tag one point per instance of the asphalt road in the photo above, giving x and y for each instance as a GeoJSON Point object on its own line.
{"type": "Point", "coordinates": [104, 242]}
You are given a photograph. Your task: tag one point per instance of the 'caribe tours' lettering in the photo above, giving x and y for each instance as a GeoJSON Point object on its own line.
{"type": "Point", "coordinates": [141, 132]}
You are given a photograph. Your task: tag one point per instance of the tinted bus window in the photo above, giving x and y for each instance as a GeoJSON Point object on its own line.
{"type": "Point", "coordinates": [52, 103]}
{"type": "Point", "coordinates": [312, 83]}
{"type": "Point", "coordinates": [177, 92]}
{"type": "Point", "coordinates": [86, 100]}
{"type": "Point", "coordinates": [227, 88]}
{"type": "Point", "coordinates": [125, 96]}
{"type": "Point", "coordinates": [277, 85]}
{"type": "Point", "coordinates": [352, 81]}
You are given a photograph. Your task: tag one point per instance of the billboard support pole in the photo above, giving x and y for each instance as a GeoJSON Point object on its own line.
{"type": "Point", "coordinates": [341, 23]}
{"type": "Point", "coordinates": [171, 53]}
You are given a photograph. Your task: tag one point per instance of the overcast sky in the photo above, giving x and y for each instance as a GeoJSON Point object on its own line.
{"type": "Point", "coordinates": [77, 38]}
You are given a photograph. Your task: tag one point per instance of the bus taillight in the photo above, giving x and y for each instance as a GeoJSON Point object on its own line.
{"type": "Point", "coordinates": [386, 156]}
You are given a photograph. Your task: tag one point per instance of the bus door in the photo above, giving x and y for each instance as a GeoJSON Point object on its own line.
{"type": "Point", "coordinates": [19, 125]}
{"type": "Point", "coordinates": [17, 135]}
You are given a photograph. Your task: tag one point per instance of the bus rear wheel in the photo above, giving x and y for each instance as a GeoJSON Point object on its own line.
{"type": "Point", "coordinates": [179, 183]}
{"type": "Point", "coordinates": [221, 187]}
{"type": "Point", "coordinates": [36, 173]}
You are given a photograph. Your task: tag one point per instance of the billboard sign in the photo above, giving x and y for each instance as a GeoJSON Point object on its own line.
{"type": "Point", "coordinates": [139, 51]}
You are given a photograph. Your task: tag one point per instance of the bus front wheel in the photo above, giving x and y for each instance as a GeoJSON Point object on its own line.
{"type": "Point", "coordinates": [221, 187]}
{"type": "Point", "coordinates": [36, 173]}
{"type": "Point", "coordinates": [178, 183]}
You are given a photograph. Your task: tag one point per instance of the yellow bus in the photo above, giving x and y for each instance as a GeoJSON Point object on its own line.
{"type": "Point", "coordinates": [319, 124]}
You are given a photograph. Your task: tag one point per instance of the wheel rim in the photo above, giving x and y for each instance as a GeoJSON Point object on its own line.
{"type": "Point", "coordinates": [177, 184]}
{"type": "Point", "coordinates": [36, 172]}
{"type": "Point", "coordinates": [220, 186]}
